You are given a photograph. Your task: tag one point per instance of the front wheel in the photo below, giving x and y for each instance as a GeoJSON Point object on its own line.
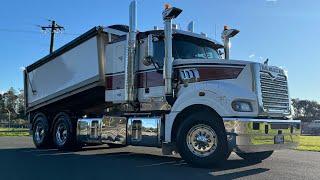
{"type": "Point", "coordinates": [201, 140]}
{"type": "Point", "coordinates": [258, 156]}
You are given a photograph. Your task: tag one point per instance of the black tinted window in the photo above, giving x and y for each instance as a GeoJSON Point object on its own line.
{"type": "Point", "coordinates": [184, 47]}
{"type": "Point", "coordinates": [158, 52]}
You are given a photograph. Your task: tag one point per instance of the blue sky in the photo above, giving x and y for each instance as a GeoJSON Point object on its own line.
{"type": "Point", "coordinates": [285, 31]}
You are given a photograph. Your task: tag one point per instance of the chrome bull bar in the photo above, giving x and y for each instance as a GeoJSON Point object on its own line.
{"type": "Point", "coordinates": [256, 135]}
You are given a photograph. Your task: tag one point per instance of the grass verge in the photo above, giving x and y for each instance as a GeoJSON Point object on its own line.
{"type": "Point", "coordinates": [14, 132]}
{"type": "Point", "coordinates": [309, 143]}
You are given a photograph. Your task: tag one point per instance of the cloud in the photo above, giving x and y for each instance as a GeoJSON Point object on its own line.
{"type": "Point", "coordinates": [252, 56]}
{"type": "Point", "coordinates": [271, 1]}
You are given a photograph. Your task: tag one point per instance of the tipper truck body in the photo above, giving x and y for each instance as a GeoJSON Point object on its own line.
{"type": "Point", "coordinates": [160, 88]}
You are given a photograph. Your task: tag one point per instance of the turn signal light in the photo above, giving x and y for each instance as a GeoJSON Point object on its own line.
{"type": "Point", "coordinates": [202, 93]}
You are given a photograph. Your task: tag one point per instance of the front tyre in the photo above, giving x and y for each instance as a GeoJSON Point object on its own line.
{"type": "Point", "coordinates": [258, 156]}
{"type": "Point", "coordinates": [201, 140]}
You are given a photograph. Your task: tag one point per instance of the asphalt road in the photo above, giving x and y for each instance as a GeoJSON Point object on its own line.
{"type": "Point", "coordinates": [20, 160]}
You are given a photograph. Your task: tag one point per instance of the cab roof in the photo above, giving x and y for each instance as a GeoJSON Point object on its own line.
{"type": "Point", "coordinates": [143, 35]}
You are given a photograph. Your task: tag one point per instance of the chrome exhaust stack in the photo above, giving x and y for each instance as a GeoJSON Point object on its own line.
{"type": "Point", "coordinates": [226, 35]}
{"type": "Point", "coordinates": [130, 59]}
{"type": "Point", "coordinates": [191, 27]}
{"type": "Point", "coordinates": [168, 15]}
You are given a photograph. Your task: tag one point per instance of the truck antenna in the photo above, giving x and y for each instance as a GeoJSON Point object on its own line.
{"type": "Point", "coordinates": [215, 31]}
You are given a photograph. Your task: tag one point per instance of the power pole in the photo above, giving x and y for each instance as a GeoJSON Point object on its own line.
{"type": "Point", "coordinates": [54, 28]}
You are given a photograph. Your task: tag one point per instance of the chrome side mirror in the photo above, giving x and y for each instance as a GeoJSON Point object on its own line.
{"type": "Point", "coordinates": [147, 61]}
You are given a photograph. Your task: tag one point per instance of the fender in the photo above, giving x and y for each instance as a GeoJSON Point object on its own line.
{"type": "Point", "coordinates": [218, 95]}
{"type": "Point", "coordinates": [191, 96]}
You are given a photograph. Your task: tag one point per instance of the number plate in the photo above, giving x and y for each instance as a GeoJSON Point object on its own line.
{"type": "Point", "coordinates": [279, 139]}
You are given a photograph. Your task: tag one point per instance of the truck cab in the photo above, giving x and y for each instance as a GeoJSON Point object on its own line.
{"type": "Point", "coordinates": [249, 100]}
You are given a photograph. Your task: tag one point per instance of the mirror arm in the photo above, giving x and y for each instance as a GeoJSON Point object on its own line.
{"type": "Point", "coordinates": [156, 65]}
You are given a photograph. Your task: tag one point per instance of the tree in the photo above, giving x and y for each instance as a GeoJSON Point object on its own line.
{"type": "Point", "coordinates": [1, 104]}
{"type": "Point", "coordinates": [20, 102]}
{"type": "Point", "coordinates": [10, 100]}
{"type": "Point", "coordinates": [306, 110]}
{"type": "Point", "coordinates": [3, 114]}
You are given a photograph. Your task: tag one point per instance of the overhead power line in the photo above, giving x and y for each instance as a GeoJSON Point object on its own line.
{"type": "Point", "coordinates": [32, 32]}
{"type": "Point", "coordinates": [17, 31]}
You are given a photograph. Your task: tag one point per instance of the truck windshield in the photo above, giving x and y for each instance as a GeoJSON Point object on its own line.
{"type": "Point", "coordinates": [185, 47]}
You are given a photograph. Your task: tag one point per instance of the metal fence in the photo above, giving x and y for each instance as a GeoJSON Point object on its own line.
{"type": "Point", "coordinates": [306, 130]}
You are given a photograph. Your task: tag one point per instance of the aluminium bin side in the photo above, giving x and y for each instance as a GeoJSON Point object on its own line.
{"type": "Point", "coordinates": [74, 68]}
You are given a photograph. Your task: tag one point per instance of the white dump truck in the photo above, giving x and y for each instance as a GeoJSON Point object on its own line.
{"type": "Point", "coordinates": [165, 88]}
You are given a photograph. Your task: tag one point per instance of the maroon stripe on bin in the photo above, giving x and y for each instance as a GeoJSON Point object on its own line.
{"type": "Point", "coordinates": [115, 82]}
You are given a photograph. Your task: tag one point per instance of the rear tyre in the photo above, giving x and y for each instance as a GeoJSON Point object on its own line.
{"type": "Point", "coordinates": [64, 134]}
{"type": "Point", "coordinates": [201, 140]}
{"type": "Point", "coordinates": [258, 156]}
{"type": "Point", "coordinates": [41, 132]}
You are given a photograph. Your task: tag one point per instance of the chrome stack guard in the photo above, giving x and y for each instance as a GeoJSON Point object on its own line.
{"type": "Point", "coordinates": [256, 135]}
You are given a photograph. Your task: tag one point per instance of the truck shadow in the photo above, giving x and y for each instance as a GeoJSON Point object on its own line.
{"type": "Point", "coordinates": [105, 163]}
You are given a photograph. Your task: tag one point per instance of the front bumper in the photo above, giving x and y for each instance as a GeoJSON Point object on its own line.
{"type": "Point", "coordinates": [247, 135]}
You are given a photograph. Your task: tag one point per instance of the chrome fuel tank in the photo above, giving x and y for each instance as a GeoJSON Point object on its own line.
{"type": "Point", "coordinates": [102, 130]}
{"type": "Point", "coordinates": [137, 131]}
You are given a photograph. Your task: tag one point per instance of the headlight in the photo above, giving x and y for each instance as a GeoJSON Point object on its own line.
{"type": "Point", "coordinates": [241, 106]}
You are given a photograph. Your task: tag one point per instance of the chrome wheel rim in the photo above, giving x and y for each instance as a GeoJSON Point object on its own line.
{"type": "Point", "coordinates": [39, 132]}
{"type": "Point", "coordinates": [61, 134]}
{"type": "Point", "coordinates": [202, 140]}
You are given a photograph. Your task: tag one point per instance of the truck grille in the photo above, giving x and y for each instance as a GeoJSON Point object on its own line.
{"type": "Point", "coordinates": [275, 94]}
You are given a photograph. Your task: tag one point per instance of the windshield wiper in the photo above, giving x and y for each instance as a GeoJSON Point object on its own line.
{"type": "Point", "coordinates": [199, 57]}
